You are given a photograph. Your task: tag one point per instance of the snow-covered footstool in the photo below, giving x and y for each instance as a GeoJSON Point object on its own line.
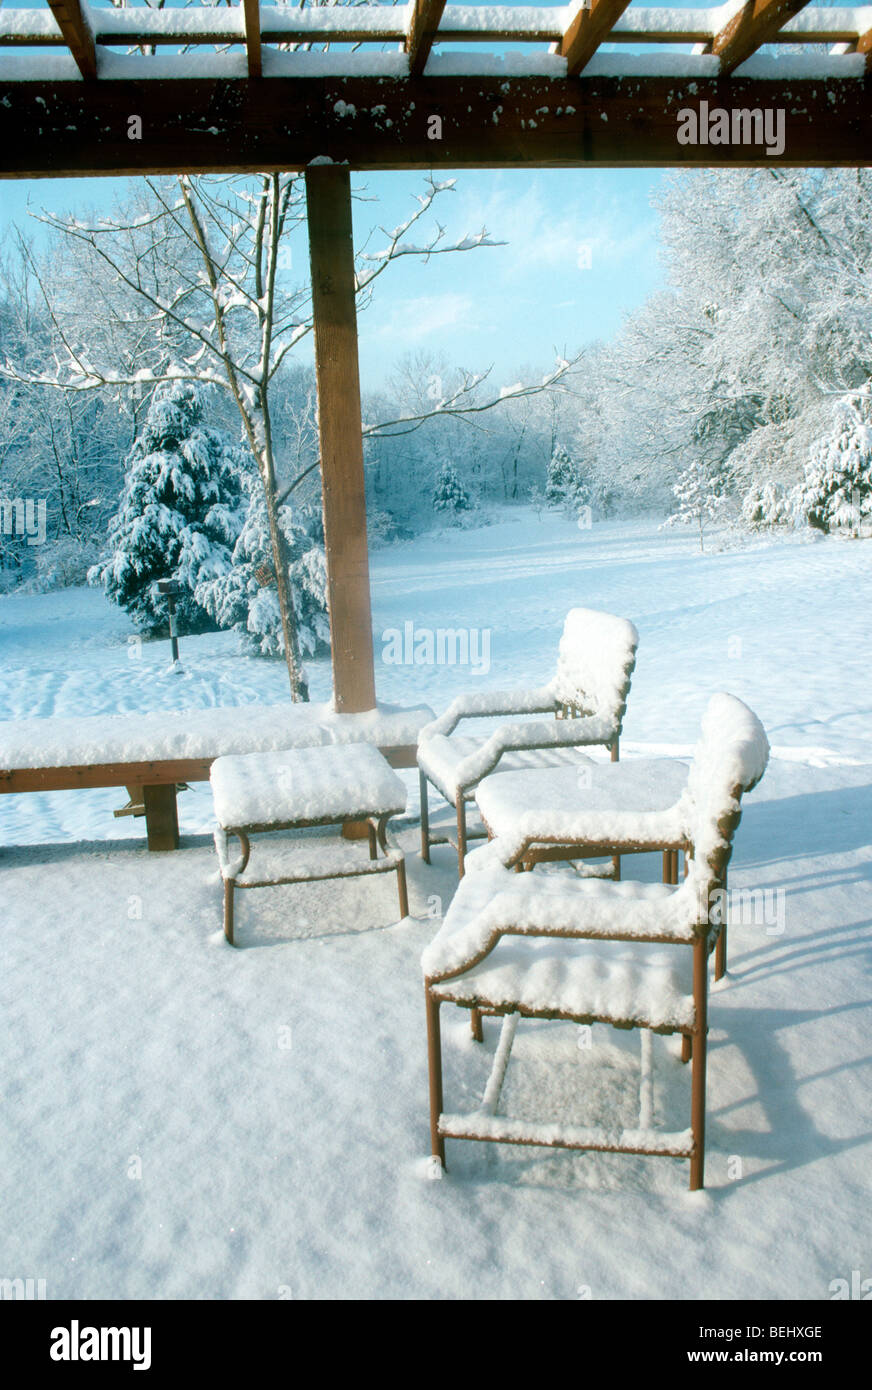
{"type": "Point", "coordinates": [299, 788]}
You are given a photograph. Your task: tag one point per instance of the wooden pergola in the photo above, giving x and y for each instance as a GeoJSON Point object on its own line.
{"type": "Point", "coordinates": [215, 92]}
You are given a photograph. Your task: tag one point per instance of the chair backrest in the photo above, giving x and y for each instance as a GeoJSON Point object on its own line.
{"type": "Point", "coordinates": [729, 760]}
{"type": "Point", "coordinates": [595, 663]}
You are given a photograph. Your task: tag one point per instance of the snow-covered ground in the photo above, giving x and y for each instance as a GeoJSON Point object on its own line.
{"type": "Point", "coordinates": [182, 1119]}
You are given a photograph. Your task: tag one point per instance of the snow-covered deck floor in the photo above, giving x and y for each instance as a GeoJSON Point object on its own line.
{"type": "Point", "coordinates": [274, 1098]}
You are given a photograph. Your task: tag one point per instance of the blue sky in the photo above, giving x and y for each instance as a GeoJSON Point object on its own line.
{"type": "Point", "coordinates": [581, 251]}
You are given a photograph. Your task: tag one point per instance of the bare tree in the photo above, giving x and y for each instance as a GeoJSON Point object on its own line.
{"type": "Point", "coordinates": [202, 263]}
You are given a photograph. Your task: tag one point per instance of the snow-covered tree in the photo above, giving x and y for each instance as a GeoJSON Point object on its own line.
{"type": "Point", "coordinates": [449, 494]}
{"type": "Point", "coordinates": [180, 511]}
{"type": "Point", "coordinates": [837, 491]}
{"type": "Point", "coordinates": [243, 595]}
{"type": "Point", "coordinates": [700, 499]}
{"type": "Point", "coordinates": [766, 505]}
{"type": "Point", "coordinates": [564, 484]}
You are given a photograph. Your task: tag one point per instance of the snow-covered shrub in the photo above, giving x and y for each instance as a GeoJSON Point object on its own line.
{"type": "Point", "coordinates": [450, 495]}
{"type": "Point", "coordinates": [243, 595]}
{"type": "Point", "coordinates": [564, 485]}
{"type": "Point", "coordinates": [768, 504]}
{"type": "Point", "coordinates": [837, 491]}
{"type": "Point", "coordinates": [180, 513]}
{"type": "Point", "coordinates": [700, 497]}
{"type": "Point", "coordinates": [63, 563]}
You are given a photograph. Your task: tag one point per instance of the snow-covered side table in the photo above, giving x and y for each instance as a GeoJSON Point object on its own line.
{"type": "Point", "coordinates": [299, 788]}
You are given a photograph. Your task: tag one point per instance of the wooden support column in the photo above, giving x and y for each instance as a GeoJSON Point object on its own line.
{"type": "Point", "coordinates": [331, 253]}
{"type": "Point", "coordinates": [161, 817]}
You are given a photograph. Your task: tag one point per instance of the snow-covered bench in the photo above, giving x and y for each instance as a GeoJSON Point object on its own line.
{"type": "Point", "coordinates": [157, 752]}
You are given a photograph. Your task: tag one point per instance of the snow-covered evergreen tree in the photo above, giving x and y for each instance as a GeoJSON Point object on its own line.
{"type": "Point", "coordinates": [837, 491]}
{"type": "Point", "coordinates": [180, 513]}
{"type": "Point", "coordinates": [450, 495]}
{"type": "Point", "coordinates": [700, 499]}
{"type": "Point", "coordinates": [244, 596]}
{"type": "Point", "coordinates": [564, 485]}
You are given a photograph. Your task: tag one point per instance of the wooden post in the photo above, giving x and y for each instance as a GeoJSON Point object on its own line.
{"type": "Point", "coordinates": [161, 817]}
{"type": "Point", "coordinates": [331, 252]}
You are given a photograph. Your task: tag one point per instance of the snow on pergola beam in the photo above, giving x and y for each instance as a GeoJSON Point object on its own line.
{"type": "Point", "coordinates": [77, 34]}
{"type": "Point", "coordinates": [252, 37]}
{"type": "Point", "coordinates": [425, 16]}
{"type": "Point", "coordinates": [590, 26]}
{"type": "Point", "coordinates": [753, 25]}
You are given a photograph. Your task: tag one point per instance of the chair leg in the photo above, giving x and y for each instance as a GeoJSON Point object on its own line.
{"type": "Point", "coordinates": [461, 833]}
{"type": "Point", "coordinates": [434, 1060]}
{"type": "Point", "coordinates": [616, 868]}
{"type": "Point", "coordinates": [686, 1047]}
{"type": "Point", "coordinates": [402, 889]}
{"type": "Point", "coordinates": [721, 954]}
{"type": "Point", "coordinates": [475, 1025]}
{"type": "Point", "coordinates": [425, 818]}
{"type": "Point", "coordinates": [697, 1080]}
{"type": "Point", "coordinates": [228, 910]}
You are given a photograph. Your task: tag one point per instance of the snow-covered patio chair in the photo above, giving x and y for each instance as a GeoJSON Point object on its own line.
{"type": "Point", "coordinates": [588, 695]}
{"type": "Point", "coordinates": [554, 946]}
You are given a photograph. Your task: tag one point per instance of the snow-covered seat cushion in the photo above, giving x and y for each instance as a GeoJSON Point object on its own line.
{"type": "Point", "coordinates": [258, 790]}
{"type": "Point", "coordinates": [616, 980]}
{"type": "Point", "coordinates": [446, 760]}
{"type": "Point", "coordinates": [496, 898]}
{"type": "Point", "coordinates": [619, 799]}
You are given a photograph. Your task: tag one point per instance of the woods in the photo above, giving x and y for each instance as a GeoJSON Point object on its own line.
{"type": "Point", "coordinates": [738, 393]}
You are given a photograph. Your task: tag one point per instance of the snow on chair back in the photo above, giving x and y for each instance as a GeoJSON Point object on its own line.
{"type": "Point", "coordinates": [729, 760]}
{"type": "Point", "coordinates": [595, 663]}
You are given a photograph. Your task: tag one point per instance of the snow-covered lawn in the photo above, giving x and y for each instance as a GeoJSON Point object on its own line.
{"type": "Point", "coordinates": [181, 1119]}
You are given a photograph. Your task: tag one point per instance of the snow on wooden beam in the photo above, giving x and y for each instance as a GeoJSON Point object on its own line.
{"type": "Point", "coordinates": [423, 23]}
{"type": "Point", "coordinates": [252, 37]}
{"type": "Point", "coordinates": [864, 45]}
{"type": "Point", "coordinates": [755, 24]}
{"type": "Point", "coordinates": [382, 23]}
{"type": "Point", "coordinates": [590, 27]}
{"type": "Point", "coordinates": [78, 37]}
{"type": "Point", "coordinates": [61, 128]}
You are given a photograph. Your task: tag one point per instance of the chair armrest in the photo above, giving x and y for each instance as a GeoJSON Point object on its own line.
{"type": "Point", "coordinates": [487, 703]}
{"type": "Point", "coordinates": [588, 731]}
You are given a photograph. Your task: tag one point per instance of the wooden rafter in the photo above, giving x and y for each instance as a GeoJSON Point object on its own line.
{"type": "Point", "coordinates": [423, 25]}
{"type": "Point", "coordinates": [590, 27]}
{"type": "Point", "coordinates": [252, 37]}
{"type": "Point", "coordinates": [864, 45]}
{"type": "Point", "coordinates": [78, 37]}
{"type": "Point", "coordinates": [756, 23]}
{"type": "Point", "coordinates": [383, 24]}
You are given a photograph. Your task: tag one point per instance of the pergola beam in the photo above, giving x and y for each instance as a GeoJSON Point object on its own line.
{"type": "Point", "coordinates": [756, 23]}
{"type": "Point", "coordinates": [73, 24]}
{"type": "Point", "coordinates": [252, 37]}
{"type": "Point", "coordinates": [423, 25]}
{"type": "Point", "coordinates": [590, 27]}
{"type": "Point", "coordinates": [864, 45]}
{"type": "Point", "coordinates": [217, 125]}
